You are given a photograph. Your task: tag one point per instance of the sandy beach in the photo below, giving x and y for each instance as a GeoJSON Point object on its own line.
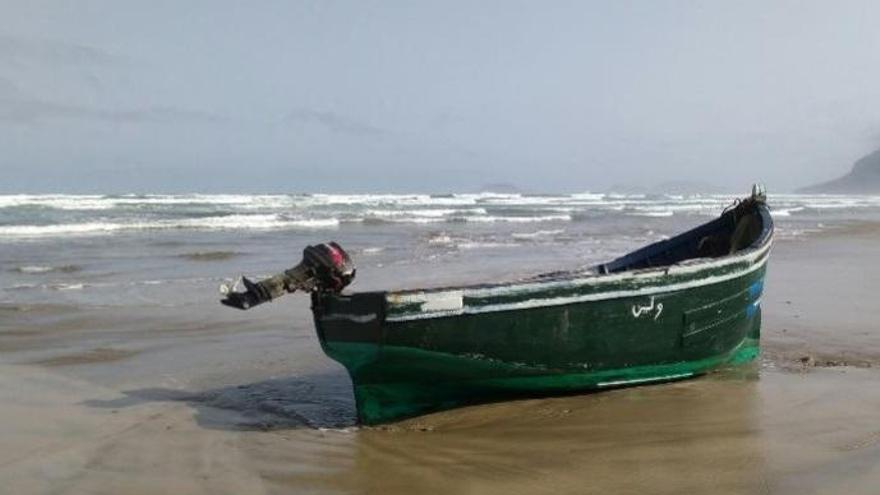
{"type": "Point", "coordinates": [211, 401]}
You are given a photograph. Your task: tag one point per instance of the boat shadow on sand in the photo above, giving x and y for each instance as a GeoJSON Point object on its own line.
{"type": "Point", "coordinates": [298, 402]}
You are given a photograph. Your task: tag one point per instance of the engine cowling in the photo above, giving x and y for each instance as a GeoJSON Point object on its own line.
{"type": "Point", "coordinates": [325, 267]}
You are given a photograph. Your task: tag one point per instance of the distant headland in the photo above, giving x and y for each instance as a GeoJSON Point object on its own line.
{"type": "Point", "coordinates": [864, 178]}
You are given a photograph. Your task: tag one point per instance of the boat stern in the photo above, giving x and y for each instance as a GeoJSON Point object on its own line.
{"type": "Point", "coordinates": [349, 327]}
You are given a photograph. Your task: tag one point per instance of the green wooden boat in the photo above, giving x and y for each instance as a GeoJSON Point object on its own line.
{"type": "Point", "coordinates": [672, 310]}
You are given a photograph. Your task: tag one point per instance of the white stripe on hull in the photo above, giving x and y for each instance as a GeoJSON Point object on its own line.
{"type": "Point", "coordinates": [450, 309]}
{"type": "Point", "coordinates": [347, 317]}
{"type": "Point", "coordinates": [644, 380]}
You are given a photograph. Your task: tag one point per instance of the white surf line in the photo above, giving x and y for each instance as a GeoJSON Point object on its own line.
{"type": "Point", "coordinates": [559, 301]}
{"type": "Point", "coordinates": [644, 380]}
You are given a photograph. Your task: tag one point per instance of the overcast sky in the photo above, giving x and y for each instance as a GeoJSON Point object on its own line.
{"type": "Point", "coordinates": [173, 96]}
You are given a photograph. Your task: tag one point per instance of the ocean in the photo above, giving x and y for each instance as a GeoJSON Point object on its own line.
{"type": "Point", "coordinates": [175, 250]}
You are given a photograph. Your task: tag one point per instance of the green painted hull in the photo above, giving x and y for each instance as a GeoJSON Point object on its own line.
{"type": "Point", "coordinates": [415, 352]}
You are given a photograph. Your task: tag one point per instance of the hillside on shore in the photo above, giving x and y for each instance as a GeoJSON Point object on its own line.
{"type": "Point", "coordinates": [864, 178]}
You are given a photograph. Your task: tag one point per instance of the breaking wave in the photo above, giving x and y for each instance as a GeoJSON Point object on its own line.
{"type": "Point", "coordinates": [48, 215]}
{"type": "Point", "coordinates": [537, 234]}
{"type": "Point", "coordinates": [37, 269]}
{"type": "Point", "coordinates": [229, 222]}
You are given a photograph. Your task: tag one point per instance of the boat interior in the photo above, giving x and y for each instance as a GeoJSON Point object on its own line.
{"type": "Point", "coordinates": [739, 228]}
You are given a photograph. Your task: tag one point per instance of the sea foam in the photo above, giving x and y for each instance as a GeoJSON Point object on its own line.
{"type": "Point", "coordinates": [61, 215]}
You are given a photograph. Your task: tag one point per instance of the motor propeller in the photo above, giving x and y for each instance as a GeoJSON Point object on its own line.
{"type": "Point", "coordinates": [325, 268]}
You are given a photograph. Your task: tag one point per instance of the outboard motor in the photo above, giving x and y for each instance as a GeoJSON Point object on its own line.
{"type": "Point", "coordinates": [324, 268]}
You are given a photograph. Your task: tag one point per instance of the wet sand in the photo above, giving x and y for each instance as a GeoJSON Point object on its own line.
{"type": "Point", "coordinates": [211, 401]}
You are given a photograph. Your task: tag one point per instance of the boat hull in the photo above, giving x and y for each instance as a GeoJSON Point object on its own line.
{"type": "Point", "coordinates": [412, 354]}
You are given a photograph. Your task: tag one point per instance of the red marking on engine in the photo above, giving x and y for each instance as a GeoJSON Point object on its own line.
{"type": "Point", "coordinates": [335, 255]}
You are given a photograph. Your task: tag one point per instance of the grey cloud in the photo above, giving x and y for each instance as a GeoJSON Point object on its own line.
{"type": "Point", "coordinates": [8, 89]}
{"type": "Point", "coordinates": [334, 122]}
{"type": "Point", "coordinates": [17, 50]}
{"type": "Point", "coordinates": [25, 111]}
{"type": "Point", "coordinates": [871, 135]}
{"type": "Point", "coordinates": [445, 120]}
